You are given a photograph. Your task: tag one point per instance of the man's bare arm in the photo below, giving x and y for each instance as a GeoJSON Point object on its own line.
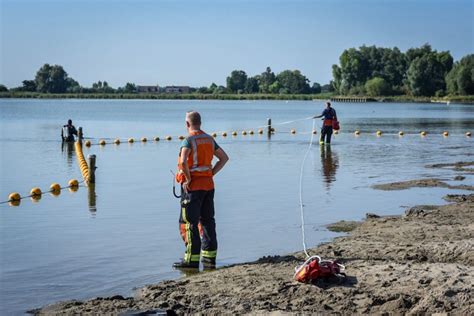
{"type": "Point", "coordinates": [222, 160]}
{"type": "Point", "coordinates": [183, 162]}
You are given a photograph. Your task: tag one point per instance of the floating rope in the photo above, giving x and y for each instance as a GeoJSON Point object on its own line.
{"type": "Point", "coordinates": [301, 191]}
{"type": "Point", "coordinates": [82, 162]}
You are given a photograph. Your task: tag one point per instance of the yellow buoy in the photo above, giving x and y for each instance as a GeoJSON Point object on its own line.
{"type": "Point", "coordinates": [73, 183]}
{"type": "Point", "coordinates": [102, 142]}
{"type": "Point", "coordinates": [244, 133]}
{"type": "Point", "coordinates": [357, 132]}
{"type": "Point", "coordinates": [468, 134]}
{"type": "Point", "coordinates": [14, 203]}
{"type": "Point", "coordinates": [181, 137]}
{"type": "Point", "coordinates": [55, 189]}
{"type": "Point", "coordinates": [214, 135]}
{"type": "Point", "coordinates": [336, 132]}
{"type": "Point", "coordinates": [251, 132]}
{"type": "Point", "coordinates": [234, 133]}
{"type": "Point", "coordinates": [117, 141]}
{"type": "Point", "coordinates": [144, 140]}
{"type": "Point", "coordinates": [379, 133]}
{"type": "Point", "coordinates": [293, 131]}
{"type": "Point", "coordinates": [36, 192]}
{"type": "Point", "coordinates": [131, 140]}
{"type": "Point", "coordinates": [260, 131]}
{"type": "Point", "coordinates": [315, 131]}
{"type": "Point", "coordinates": [15, 196]}
{"type": "Point", "coordinates": [157, 139]}
{"type": "Point", "coordinates": [168, 137]}
{"type": "Point", "coordinates": [423, 133]}
{"type": "Point", "coordinates": [273, 130]}
{"type": "Point", "coordinates": [224, 134]}
{"type": "Point", "coordinates": [401, 133]}
{"type": "Point", "coordinates": [445, 134]}
{"type": "Point", "coordinates": [88, 143]}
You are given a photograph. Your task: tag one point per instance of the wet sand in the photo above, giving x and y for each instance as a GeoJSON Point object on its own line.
{"type": "Point", "coordinates": [420, 262]}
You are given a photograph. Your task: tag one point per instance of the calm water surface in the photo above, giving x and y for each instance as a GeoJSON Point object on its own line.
{"type": "Point", "coordinates": [61, 248]}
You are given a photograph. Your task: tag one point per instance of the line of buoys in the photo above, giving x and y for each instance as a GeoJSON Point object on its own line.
{"type": "Point", "coordinates": [251, 132]}
{"type": "Point", "coordinates": [260, 131]}
{"type": "Point", "coordinates": [117, 141]}
{"type": "Point", "coordinates": [244, 133]}
{"type": "Point", "coordinates": [234, 133]}
{"type": "Point", "coordinates": [224, 134]}
{"type": "Point", "coordinates": [14, 199]}
{"type": "Point", "coordinates": [157, 139]}
{"type": "Point", "coordinates": [214, 135]}
{"type": "Point", "coordinates": [169, 138]}
{"type": "Point", "coordinates": [102, 142]}
{"type": "Point", "coordinates": [88, 143]}
{"type": "Point", "coordinates": [144, 140]}
{"type": "Point", "coordinates": [131, 140]}
{"type": "Point", "coordinates": [82, 162]}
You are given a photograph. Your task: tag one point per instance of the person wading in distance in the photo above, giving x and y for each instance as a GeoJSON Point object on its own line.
{"type": "Point", "coordinates": [68, 131]}
{"type": "Point", "coordinates": [195, 174]}
{"type": "Point", "coordinates": [330, 116]}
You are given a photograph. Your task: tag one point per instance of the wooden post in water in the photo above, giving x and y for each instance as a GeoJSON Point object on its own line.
{"type": "Point", "coordinates": [269, 127]}
{"type": "Point", "coordinates": [80, 136]}
{"type": "Point", "coordinates": [91, 168]}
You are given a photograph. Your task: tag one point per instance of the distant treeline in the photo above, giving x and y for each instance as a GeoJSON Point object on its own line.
{"type": "Point", "coordinates": [377, 71]}
{"type": "Point", "coordinates": [367, 71]}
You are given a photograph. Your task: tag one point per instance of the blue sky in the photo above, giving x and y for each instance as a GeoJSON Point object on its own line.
{"type": "Point", "coordinates": [199, 42]}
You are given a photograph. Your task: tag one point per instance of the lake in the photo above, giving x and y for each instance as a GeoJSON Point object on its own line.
{"type": "Point", "coordinates": [75, 246]}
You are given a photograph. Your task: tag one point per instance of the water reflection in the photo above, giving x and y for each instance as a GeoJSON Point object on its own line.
{"type": "Point", "coordinates": [91, 196]}
{"type": "Point", "coordinates": [329, 164]}
{"type": "Point", "coordinates": [68, 149]}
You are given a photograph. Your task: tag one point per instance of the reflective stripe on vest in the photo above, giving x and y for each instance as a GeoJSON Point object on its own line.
{"type": "Point", "coordinates": [193, 141]}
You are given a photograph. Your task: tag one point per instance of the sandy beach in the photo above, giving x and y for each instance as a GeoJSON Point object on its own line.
{"type": "Point", "coordinates": [420, 262]}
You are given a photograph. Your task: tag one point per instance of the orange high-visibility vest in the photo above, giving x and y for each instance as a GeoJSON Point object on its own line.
{"type": "Point", "coordinates": [200, 158]}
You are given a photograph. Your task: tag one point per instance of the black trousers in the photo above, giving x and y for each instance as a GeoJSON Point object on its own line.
{"type": "Point", "coordinates": [326, 133]}
{"type": "Point", "coordinates": [197, 225]}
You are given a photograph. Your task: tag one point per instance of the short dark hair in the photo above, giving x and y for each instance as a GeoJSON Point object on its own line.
{"type": "Point", "coordinates": [194, 118]}
{"type": "Point", "coordinates": [69, 121]}
{"type": "Point", "coordinates": [328, 103]}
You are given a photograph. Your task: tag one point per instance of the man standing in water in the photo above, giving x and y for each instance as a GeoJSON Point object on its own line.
{"type": "Point", "coordinates": [68, 132]}
{"type": "Point", "coordinates": [329, 115]}
{"type": "Point", "coordinates": [195, 174]}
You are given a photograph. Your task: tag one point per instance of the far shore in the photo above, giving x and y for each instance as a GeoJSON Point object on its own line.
{"type": "Point", "coordinates": [469, 99]}
{"type": "Point", "coordinates": [417, 263]}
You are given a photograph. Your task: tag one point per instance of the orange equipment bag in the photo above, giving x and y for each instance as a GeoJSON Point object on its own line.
{"type": "Point", "coordinates": [315, 268]}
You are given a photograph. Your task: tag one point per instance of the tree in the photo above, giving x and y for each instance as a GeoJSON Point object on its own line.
{"type": "Point", "coordinates": [251, 85]}
{"type": "Point", "coordinates": [212, 87]}
{"type": "Point", "coordinates": [51, 79]}
{"type": "Point", "coordinates": [267, 78]}
{"type": "Point", "coordinates": [130, 88]}
{"type": "Point", "coordinates": [292, 82]}
{"type": "Point", "coordinates": [377, 87]}
{"type": "Point", "coordinates": [236, 81]}
{"type": "Point", "coordinates": [316, 88]}
{"type": "Point", "coordinates": [460, 80]}
{"type": "Point", "coordinates": [3, 88]}
{"type": "Point", "coordinates": [426, 75]}
{"type": "Point", "coordinates": [28, 85]}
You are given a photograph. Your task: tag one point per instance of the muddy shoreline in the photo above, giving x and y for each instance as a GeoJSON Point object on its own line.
{"type": "Point", "coordinates": [420, 262]}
